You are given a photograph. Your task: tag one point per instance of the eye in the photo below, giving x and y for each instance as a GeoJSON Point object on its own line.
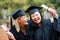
{"type": "Point", "coordinates": [19, 18]}
{"type": "Point", "coordinates": [36, 14]}
{"type": "Point", "coordinates": [32, 15]}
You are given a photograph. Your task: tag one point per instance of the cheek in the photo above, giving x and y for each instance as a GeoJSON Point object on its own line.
{"type": "Point", "coordinates": [39, 17]}
{"type": "Point", "coordinates": [33, 18]}
{"type": "Point", "coordinates": [21, 22]}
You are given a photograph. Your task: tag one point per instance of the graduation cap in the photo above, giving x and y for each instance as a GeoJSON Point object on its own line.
{"type": "Point", "coordinates": [33, 9]}
{"type": "Point", "coordinates": [17, 13]}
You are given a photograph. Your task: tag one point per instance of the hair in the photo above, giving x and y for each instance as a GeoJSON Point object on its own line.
{"type": "Point", "coordinates": [17, 25]}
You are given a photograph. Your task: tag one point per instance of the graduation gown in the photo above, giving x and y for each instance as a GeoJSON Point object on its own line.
{"type": "Point", "coordinates": [20, 35]}
{"type": "Point", "coordinates": [30, 31]}
{"type": "Point", "coordinates": [14, 32]}
{"type": "Point", "coordinates": [42, 32]}
{"type": "Point", "coordinates": [58, 29]}
{"type": "Point", "coordinates": [45, 31]}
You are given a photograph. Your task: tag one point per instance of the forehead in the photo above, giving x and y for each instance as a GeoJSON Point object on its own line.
{"type": "Point", "coordinates": [35, 13]}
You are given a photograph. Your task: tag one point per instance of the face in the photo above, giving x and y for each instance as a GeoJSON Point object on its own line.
{"type": "Point", "coordinates": [36, 17]}
{"type": "Point", "coordinates": [22, 20]}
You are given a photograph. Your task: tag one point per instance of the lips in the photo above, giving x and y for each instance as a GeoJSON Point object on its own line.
{"type": "Point", "coordinates": [36, 20]}
{"type": "Point", "coordinates": [26, 22]}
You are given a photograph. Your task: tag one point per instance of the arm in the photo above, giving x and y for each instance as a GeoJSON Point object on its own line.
{"type": "Point", "coordinates": [10, 35]}
{"type": "Point", "coordinates": [51, 11]}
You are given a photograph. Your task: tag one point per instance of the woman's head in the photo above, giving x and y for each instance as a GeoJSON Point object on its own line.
{"type": "Point", "coordinates": [22, 20]}
{"type": "Point", "coordinates": [36, 17]}
{"type": "Point", "coordinates": [35, 14]}
{"type": "Point", "coordinates": [20, 16]}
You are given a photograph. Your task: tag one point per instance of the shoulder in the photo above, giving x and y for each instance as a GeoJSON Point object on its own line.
{"type": "Point", "coordinates": [13, 29]}
{"type": "Point", "coordinates": [46, 21]}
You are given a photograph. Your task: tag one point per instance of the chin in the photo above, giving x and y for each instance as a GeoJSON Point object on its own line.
{"type": "Point", "coordinates": [38, 22]}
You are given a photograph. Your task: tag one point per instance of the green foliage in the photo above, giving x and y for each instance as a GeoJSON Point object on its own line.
{"type": "Point", "coordinates": [0, 16]}
{"type": "Point", "coordinates": [58, 10]}
{"type": "Point", "coordinates": [11, 5]}
{"type": "Point", "coordinates": [5, 4]}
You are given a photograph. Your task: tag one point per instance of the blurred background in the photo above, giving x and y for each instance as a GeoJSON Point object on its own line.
{"type": "Point", "coordinates": [8, 6]}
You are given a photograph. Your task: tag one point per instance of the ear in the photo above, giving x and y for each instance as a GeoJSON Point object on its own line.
{"type": "Point", "coordinates": [17, 20]}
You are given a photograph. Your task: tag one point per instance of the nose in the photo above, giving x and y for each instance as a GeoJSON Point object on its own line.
{"type": "Point", "coordinates": [26, 18]}
{"type": "Point", "coordinates": [35, 17]}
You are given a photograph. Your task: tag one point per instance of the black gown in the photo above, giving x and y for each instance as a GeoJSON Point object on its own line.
{"type": "Point", "coordinates": [14, 32]}
{"type": "Point", "coordinates": [58, 29]}
{"type": "Point", "coordinates": [20, 35]}
{"type": "Point", "coordinates": [44, 32]}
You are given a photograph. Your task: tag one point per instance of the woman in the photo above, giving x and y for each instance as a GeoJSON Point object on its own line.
{"type": "Point", "coordinates": [43, 28]}
{"type": "Point", "coordinates": [21, 19]}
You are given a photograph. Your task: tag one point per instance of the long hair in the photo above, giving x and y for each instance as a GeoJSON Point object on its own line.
{"type": "Point", "coordinates": [16, 25]}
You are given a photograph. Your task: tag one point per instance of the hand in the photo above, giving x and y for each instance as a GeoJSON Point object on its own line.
{"type": "Point", "coordinates": [44, 6]}
{"type": "Point", "coordinates": [50, 10]}
{"type": "Point", "coordinates": [10, 35]}
{"type": "Point", "coordinates": [53, 12]}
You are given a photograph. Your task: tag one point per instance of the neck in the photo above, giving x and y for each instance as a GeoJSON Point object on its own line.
{"type": "Point", "coordinates": [39, 24]}
{"type": "Point", "coordinates": [23, 29]}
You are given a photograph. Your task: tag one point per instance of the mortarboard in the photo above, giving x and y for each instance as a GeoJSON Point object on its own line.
{"type": "Point", "coordinates": [17, 13]}
{"type": "Point", "coordinates": [33, 9]}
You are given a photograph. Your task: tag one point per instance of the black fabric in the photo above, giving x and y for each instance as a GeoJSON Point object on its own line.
{"type": "Point", "coordinates": [30, 30]}
{"type": "Point", "coordinates": [58, 25]}
{"type": "Point", "coordinates": [44, 32]}
{"type": "Point", "coordinates": [20, 35]}
{"type": "Point", "coordinates": [53, 35]}
{"type": "Point", "coordinates": [58, 29]}
{"type": "Point", "coordinates": [14, 32]}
